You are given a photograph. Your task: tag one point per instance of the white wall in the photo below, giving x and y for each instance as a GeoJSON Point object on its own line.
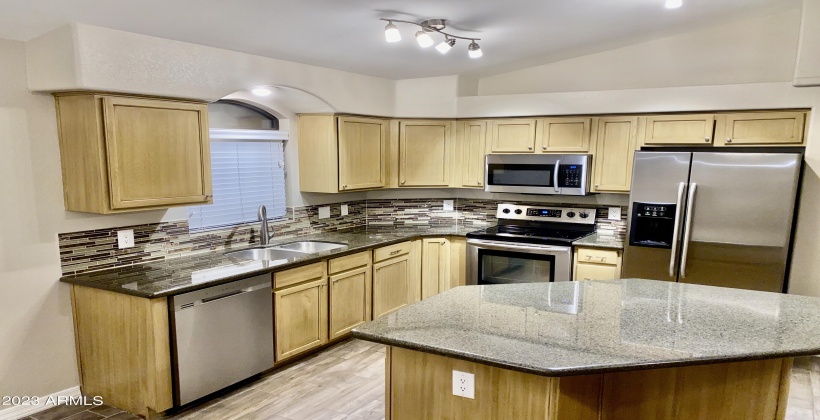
{"type": "Point", "coordinates": [762, 49]}
{"type": "Point", "coordinates": [432, 97]}
{"type": "Point", "coordinates": [807, 69]}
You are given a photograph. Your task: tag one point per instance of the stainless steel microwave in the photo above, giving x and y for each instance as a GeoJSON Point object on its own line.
{"type": "Point", "coordinates": [538, 174]}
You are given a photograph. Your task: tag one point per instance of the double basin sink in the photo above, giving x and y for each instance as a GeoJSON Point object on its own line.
{"type": "Point", "coordinates": [286, 251]}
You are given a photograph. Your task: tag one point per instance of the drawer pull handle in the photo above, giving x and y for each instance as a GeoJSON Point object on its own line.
{"type": "Point", "coordinates": [395, 252]}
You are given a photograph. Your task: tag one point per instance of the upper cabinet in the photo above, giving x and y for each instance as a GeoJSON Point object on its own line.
{"type": "Point", "coordinates": [565, 134]}
{"type": "Point", "coordinates": [473, 140]}
{"type": "Point", "coordinates": [615, 151]}
{"type": "Point", "coordinates": [425, 153]}
{"type": "Point", "coordinates": [692, 129]}
{"type": "Point", "coordinates": [513, 135]}
{"type": "Point", "coordinates": [760, 128]}
{"type": "Point", "coordinates": [338, 153]}
{"type": "Point", "coordinates": [123, 153]}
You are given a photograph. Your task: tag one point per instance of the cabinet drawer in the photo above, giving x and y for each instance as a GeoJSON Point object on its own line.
{"type": "Point", "coordinates": [381, 254]}
{"type": "Point", "coordinates": [298, 275]}
{"type": "Point", "coordinates": [348, 262]}
{"type": "Point", "coordinates": [584, 271]}
{"type": "Point", "coordinates": [600, 256]}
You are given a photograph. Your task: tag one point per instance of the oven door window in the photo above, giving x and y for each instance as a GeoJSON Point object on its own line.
{"type": "Point", "coordinates": [520, 175]}
{"type": "Point", "coordinates": [503, 267]}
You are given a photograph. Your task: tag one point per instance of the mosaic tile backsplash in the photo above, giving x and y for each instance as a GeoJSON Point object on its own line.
{"type": "Point", "coordinates": [97, 249]}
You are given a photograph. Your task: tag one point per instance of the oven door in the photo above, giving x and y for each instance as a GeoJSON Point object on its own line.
{"type": "Point", "coordinates": [497, 262]}
{"type": "Point", "coordinates": [528, 174]}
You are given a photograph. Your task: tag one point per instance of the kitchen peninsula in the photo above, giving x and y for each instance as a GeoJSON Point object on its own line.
{"type": "Point", "coordinates": [621, 349]}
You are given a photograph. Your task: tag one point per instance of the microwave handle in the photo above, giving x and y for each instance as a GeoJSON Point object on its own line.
{"type": "Point", "coordinates": [555, 176]}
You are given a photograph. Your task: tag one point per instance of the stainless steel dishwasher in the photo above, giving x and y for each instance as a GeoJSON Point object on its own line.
{"type": "Point", "coordinates": [221, 335]}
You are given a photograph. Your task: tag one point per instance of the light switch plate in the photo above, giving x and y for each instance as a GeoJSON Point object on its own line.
{"type": "Point", "coordinates": [448, 205]}
{"type": "Point", "coordinates": [324, 212]}
{"type": "Point", "coordinates": [464, 384]}
{"type": "Point", "coordinates": [614, 213]}
{"type": "Point", "coordinates": [345, 210]}
{"type": "Point", "coordinates": [125, 238]}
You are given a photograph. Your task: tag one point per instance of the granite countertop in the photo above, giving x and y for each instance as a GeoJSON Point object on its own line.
{"type": "Point", "coordinates": [600, 241]}
{"type": "Point", "coordinates": [577, 328]}
{"type": "Point", "coordinates": [180, 275]}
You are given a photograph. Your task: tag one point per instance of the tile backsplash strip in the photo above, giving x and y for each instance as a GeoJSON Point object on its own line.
{"type": "Point", "coordinates": [97, 249]}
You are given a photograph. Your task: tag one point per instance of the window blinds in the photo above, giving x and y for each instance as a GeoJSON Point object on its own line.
{"type": "Point", "coordinates": [245, 175]}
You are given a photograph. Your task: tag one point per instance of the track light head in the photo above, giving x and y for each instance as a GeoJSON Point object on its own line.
{"type": "Point", "coordinates": [474, 50]}
{"type": "Point", "coordinates": [424, 39]}
{"type": "Point", "coordinates": [391, 32]}
{"type": "Point", "coordinates": [445, 46]}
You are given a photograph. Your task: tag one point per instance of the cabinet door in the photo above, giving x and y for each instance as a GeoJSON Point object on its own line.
{"type": "Point", "coordinates": [300, 318]}
{"type": "Point", "coordinates": [586, 271]}
{"type": "Point", "coordinates": [362, 153]}
{"type": "Point", "coordinates": [158, 152]}
{"type": "Point", "coordinates": [473, 149]}
{"type": "Point", "coordinates": [350, 295]}
{"type": "Point", "coordinates": [391, 285]}
{"type": "Point", "coordinates": [513, 136]}
{"type": "Point", "coordinates": [458, 263]}
{"type": "Point", "coordinates": [435, 262]}
{"type": "Point", "coordinates": [679, 129]}
{"type": "Point", "coordinates": [614, 153]}
{"type": "Point", "coordinates": [773, 128]}
{"type": "Point", "coordinates": [425, 153]}
{"type": "Point", "coordinates": [565, 134]}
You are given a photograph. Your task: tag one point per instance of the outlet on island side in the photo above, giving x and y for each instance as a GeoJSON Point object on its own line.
{"type": "Point", "coordinates": [464, 384]}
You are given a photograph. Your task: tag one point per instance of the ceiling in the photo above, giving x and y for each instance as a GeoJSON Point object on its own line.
{"type": "Point", "coordinates": [347, 34]}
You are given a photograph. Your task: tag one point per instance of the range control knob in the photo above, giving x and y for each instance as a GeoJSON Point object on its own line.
{"type": "Point", "coordinates": [505, 211]}
{"type": "Point", "coordinates": [584, 215]}
{"type": "Point", "coordinates": [518, 211]}
{"type": "Point", "coordinates": [571, 214]}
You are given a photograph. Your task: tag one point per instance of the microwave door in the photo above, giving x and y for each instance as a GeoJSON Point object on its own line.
{"type": "Point", "coordinates": [526, 174]}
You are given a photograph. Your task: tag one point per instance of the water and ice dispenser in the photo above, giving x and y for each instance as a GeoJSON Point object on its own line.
{"type": "Point", "coordinates": [653, 225]}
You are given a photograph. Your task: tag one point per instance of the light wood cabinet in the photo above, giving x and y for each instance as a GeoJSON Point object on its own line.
{"type": "Point", "coordinates": [341, 153]}
{"type": "Point", "coordinates": [565, 134]}
{"type": "Point", "coordinates": [435, 262]}
{"type": "Point", "coordinates": [123, 153]}
{"type": "Point", "coordinates": [473, 141]}
{"type": "Point", "coordinates": [760, 128]}
{"type": "Point", "coordinates": [300, 311]}
{"type": "Point", "coordinates": [458, 263]}
{"type": "Point", "coordinates": [614, 153]}
{"type": "Point", "coordinates": [513, 135]}
{"type": "Point", "coordinates": [425, 153]}
{"type": "Point", "coordinates": [350, 293]}
{"type": "Point", "coordinates": [689, 129]}
{"type": "Point", "coordinates": [397, 278]}
{"type": "Point", "coordinates": [596, 264]}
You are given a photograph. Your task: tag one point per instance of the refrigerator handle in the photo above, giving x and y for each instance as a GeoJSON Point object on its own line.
{"type": "Point", "coordinates": [555, 175]}
{"type": "Point", "coordinates": [675, 232]}
{"type": "Point", "coordinates": [687, 231]}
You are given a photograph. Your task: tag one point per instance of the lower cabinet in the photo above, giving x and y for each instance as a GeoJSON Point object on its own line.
{"type": "Point", "coordinates": [396, 277]}
{"type": "Point", "coordinates": [351, 291]}
{"type": "Point", "coordinates": [597, 264]}
{"type": "Point", "coordinates": [300, 311]}
{"type": "Point", "coordinates": [435, 263]}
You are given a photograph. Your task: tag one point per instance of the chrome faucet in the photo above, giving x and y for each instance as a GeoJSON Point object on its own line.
{"type": "Point", "coordinates": [264, 238]}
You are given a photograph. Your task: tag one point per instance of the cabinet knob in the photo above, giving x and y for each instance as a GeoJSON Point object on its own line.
{"type": "Point", "coordinates": [728, 139]}
{"type": "Point", "coordinates": [344, 187]}
{"type": "Point", "coordinates": [597, 185]}
{"type": "Point", "coordinates": [530, 147]}
{"type": "Point", "coordinates": [402, 183]}
{"type": "Point", "coordinates": [706, 140]}
{"type": "Point", "coordinates": [543, 147]}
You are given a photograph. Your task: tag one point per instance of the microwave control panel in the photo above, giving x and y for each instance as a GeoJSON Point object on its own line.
{"type": "Point", "coordinates": [570, 176]}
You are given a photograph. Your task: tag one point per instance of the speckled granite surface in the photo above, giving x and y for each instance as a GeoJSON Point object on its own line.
{"type": "Point", "coordinates": [600, 241]}
{"type": "Point", "coordinates": [185, 274]}
{"type": "Point", "coordinates": [573, 328]}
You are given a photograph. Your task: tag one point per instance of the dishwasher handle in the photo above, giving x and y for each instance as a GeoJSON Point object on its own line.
{"type": "Point", "coordinates": [218, 293]}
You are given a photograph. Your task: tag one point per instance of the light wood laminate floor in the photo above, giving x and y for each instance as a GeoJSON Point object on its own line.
{"type": "Point", "coordinates": [346, 381]}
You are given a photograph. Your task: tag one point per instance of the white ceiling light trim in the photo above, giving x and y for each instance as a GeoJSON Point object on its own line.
{"type": "Point", "coordinates": [430, 26]}
{"type": "Point", "coordinates": [262, 91]}
{"type": "Point", "coordinates": [673, 4]}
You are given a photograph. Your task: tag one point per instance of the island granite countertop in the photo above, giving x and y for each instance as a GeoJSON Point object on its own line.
{"type": "Point", "coordinates": [578, 328]}
{"type": "Point", "coordinates": [596, 240]}
{"type": "Point", "coordinates": [180, 275]}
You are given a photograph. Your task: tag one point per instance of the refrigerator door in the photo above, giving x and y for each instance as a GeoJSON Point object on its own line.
{"type": "Point", "coordinates": [657, 178]}
{"type": "Point", "coordinates": [741, 205]}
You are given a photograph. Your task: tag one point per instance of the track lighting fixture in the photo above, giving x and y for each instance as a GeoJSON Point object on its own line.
{"type": "Point", "coordinates": [429, 27]}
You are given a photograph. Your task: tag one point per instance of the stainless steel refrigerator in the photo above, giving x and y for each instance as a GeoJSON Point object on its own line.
{"type": "Point", "coordinates": [721, 219]}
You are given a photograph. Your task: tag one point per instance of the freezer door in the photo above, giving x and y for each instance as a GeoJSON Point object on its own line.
{"type": "Point", "coordinates": [660, 178]}
{"type": "Point", "coordinates": [742, 208]}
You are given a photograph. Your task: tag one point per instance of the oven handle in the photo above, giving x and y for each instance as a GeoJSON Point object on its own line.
{"type": "Point", "coordinates": [555, 176]}
{"type": "Point", "coordinates": [504, 246]}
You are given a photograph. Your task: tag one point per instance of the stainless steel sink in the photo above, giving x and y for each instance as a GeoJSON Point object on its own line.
{"type": "Point", "coordinates": [310, 247]}
{"type": "Point", "coordinates": [266, 254]}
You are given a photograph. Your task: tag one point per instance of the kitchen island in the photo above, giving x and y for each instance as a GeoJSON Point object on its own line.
{"type": "Point", "coordinates": [622, 349]}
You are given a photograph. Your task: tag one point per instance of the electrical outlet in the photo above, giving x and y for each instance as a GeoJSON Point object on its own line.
{"type": "Point", "coordinates": [464, 384]}
{"type": "Point", "coordinates": [345, 210]}
{"type": "Point", "coordinates": [614, 213]}
{"type": "Point", "coordinates": [324, 212]}
{"type": "Point", "coordinates": [448, 205]}
{"type": "Point", "coordinates": [125, 238]}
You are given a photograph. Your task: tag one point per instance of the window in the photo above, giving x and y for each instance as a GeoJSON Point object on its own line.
{"type": "Point", "coordinates": [248, 170]}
